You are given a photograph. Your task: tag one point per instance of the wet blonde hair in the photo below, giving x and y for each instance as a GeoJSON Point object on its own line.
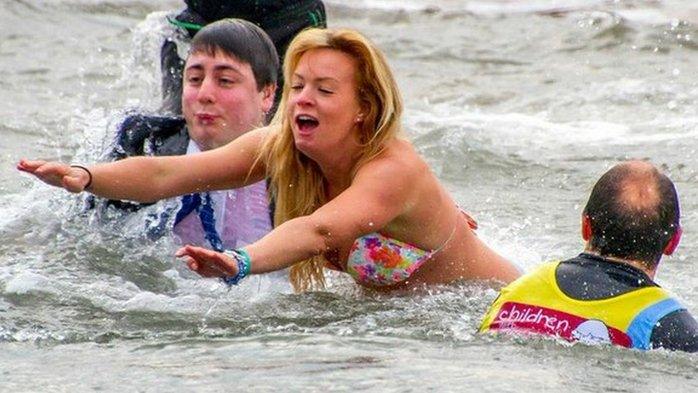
{"type": "Point", "coordinates": [296, 181]}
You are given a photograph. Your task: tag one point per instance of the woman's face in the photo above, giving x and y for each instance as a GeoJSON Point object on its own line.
{"type": "Point", "coordinates": [220, 99]}
{"type": "Point", "coordinates": [323, 104]}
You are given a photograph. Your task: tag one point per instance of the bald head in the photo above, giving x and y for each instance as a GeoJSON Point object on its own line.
{"type": "Point", "coordinates": [638, 187]}
{"type": "Point", "coordinates": [633, 211]}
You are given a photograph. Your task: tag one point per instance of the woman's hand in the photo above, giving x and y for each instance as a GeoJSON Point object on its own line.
{"type": "Point", "coordinates": [73, 179]}
{"type": "Point", "coordinates": [208, 263]}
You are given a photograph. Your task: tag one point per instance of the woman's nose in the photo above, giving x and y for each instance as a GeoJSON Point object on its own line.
{"type": "Point", "coordinates": [304, 97]}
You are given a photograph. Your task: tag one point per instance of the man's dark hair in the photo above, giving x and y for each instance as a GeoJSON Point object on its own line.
{"type": "Point", "coordinates": [243, 41]}
{"type": "Point", "coordinates": [634, 212]}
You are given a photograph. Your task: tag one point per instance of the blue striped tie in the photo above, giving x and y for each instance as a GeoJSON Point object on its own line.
{"type": "Point", "coordinates": [193, 202]}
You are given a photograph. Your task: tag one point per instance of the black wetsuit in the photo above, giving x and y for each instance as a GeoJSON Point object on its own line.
{"type": "Point", "coordinates": [591, 277]}
{"type": "Point", "coordinates": [145, 135]}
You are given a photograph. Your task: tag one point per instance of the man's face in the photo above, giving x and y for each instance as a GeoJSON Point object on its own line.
{"type": "Point", "coordinates": [220, 99]}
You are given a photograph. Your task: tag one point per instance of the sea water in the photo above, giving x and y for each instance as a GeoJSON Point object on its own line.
{"type": "Point", "coordinates": [518, 106]}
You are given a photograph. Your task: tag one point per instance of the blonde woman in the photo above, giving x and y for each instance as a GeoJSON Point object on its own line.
{"type": "Point", "coordinates": [350, 193]}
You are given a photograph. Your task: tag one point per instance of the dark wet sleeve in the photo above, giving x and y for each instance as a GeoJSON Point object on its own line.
{"type": "Point", "coordinates": [140, 135]}
{"type": "Point", "coordinates": [677, 331]}
{"type": "Point", "coordinates": [172, 67]}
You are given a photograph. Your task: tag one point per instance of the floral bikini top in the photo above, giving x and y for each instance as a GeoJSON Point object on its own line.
{"type": "Point", "coordinates": [378, 260]}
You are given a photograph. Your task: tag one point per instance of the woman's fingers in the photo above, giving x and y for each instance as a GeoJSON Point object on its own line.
{"type": "Point", "coordinates": [50, 173]}
{"type": "Point", "coordinates": [29, 166]}
{"type": "Point", "coordinates": [207, 263]}
{"type": "Point", "coordinates": [55, 174]}
{"type": "Point", "coordinates": [201, 269]}
{"type": "Point", "coordinates": [192, 252]}
{"type": "Point", "coordinates": [192, 265]}
{"type": "Point", "coordinates": [181, 252]}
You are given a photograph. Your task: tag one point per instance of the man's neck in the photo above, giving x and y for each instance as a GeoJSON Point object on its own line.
{"type": "Point", "coordinates": [634, 263]}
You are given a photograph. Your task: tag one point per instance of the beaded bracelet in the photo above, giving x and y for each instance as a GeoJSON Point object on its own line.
{"type": "Point", "coordinates": [244, 263]}
{"type": "Point", "coordinates": [89, 174]}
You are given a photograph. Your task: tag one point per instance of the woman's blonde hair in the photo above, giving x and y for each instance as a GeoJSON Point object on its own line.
{"type": "Point", "coordinates": [297, 183]}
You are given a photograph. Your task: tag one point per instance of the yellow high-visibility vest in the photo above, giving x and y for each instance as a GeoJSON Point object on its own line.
{"type": "Point", "coordinates": [535, 304]}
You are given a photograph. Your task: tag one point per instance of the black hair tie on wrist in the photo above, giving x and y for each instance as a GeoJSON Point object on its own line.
{"type": "Point", "coordinates": [89, 174]}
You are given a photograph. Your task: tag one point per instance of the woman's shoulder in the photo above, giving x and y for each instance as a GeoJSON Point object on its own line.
{"type": "Point", "coordinates": [399, 158]}
{"type": "Point", "coordinates": [402, 153]}
{"type": "Point", "coordinates": [256, 137]}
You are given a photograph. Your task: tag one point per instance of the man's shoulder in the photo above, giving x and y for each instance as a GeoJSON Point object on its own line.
{"type": "Point", "coordinates": [144, 135]}
{"type": "Point", "coordinates": [677, 331]}
{"type": "Point", "coordinates": [151, 135]}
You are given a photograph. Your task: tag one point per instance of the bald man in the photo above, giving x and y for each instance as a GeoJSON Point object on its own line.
{"type": "Point", "coordinates": [607, 293]}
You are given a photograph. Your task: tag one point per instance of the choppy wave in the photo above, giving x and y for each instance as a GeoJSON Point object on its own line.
{"type": "Point", "coordinates": [517, 106]}
{"type": "Point", "coordinates": [638, 11]}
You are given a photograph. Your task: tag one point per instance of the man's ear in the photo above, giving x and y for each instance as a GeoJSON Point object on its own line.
{"type": "Point", "coordinates": [268, 93]}
{"type": "Point", "coordinates": [673, 242]}
{"type": "Point", "coordinates": [586, 227]}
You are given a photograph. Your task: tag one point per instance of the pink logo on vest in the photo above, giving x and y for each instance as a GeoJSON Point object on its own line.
{"type": "Point", "coordinates": [519, 317]}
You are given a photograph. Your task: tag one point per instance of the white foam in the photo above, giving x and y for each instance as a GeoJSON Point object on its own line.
{"type": "Point", "coordinates": [9, 207]}
{"type": "Point", "coordinates": [149, 301]}
{"type": "Point", "coordinates": [26, 282]}
{"type": "Point", "coordinates": [644, 16]}
{"type": "Point", "coordinates": [484, 8]}
{"type": "Point", "coordinates": [521, 131]}
{"type": "Point", "coordinates": [386, 5]}
{"type": "Point", "coordinates": [490, 8]}
{"type": "Point", "coordinates": [666, 12]}
{"type": "Point", "coordinates": [652, 14]}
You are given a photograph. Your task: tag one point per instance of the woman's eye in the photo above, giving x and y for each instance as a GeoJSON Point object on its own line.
{"type": "Point", "coordinates": [326, 91]}
{"type": "Point", "coordinates": [194, 79]}
{"type": "Point", "coordinates": [296, 87]}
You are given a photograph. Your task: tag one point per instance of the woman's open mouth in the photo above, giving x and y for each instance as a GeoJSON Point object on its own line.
{"type": "Point", "coordinates": [306, 123]}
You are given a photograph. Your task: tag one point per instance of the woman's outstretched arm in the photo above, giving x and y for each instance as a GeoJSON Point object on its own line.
{"type": "Point", "coordinates": [148, 179]}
